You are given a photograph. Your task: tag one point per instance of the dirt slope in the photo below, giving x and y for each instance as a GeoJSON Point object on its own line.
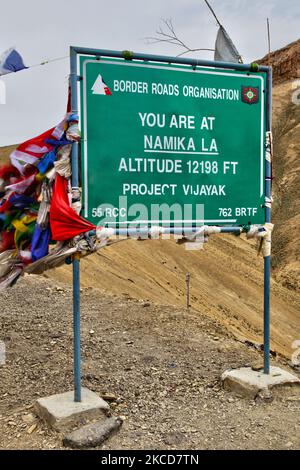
{"type": "Point", "coordinates": [286, 165]}
{"type": "Point", "coordinates": [286, 129]}
{"type": "Point", "coordinates": [5, 153]}
{"type": "Point", "coordinates": [226, 283]}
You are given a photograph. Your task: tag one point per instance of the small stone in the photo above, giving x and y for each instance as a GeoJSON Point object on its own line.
{"type": "Point", "coordinates": [146, 304]}
{"type": "Point", "coordinates": [29, 418]}
{"type": "Point", "coordinates": [109, 397]}
{"type": "Point", "coordinates": [174, 438]}
{"type": "Point", "coordinates": [32, 429]}
{"type": "Point", "coordinates": [172, 365]}
{"type": "Point", "coordinates": [257, 366]}
{"type": "Point", "coordinates": [264, 395]}
{"type": "Point", "coordinates": [231, 400]}
{"type": "Point", "coordinates": [91, 332]}
{"type": "Point", "coordinates": [92, 435]}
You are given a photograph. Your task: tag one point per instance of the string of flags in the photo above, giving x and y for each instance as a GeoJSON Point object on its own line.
{"type": "Point", "coordinates": [11, 61]}
{"type": "Point", "coordinates": [225, 50]}
{"type": "Point", "coordinates": [38, 208]}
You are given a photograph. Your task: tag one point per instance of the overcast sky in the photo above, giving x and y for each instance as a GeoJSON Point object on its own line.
{"type": "Point", "coordinates": [36, 98]}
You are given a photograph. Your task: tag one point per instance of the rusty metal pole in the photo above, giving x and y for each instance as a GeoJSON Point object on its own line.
{"type": "Point", "coordinates": [187, 280]}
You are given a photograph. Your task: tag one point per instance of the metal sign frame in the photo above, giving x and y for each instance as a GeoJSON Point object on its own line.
{"type": "Point", "coordinates": [75, 52]}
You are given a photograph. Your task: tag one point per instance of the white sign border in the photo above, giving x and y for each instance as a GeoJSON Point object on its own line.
{"type": "Point", "coordinates": [176, 69]}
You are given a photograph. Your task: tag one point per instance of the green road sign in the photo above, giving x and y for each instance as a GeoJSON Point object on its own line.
{"type": "Point", "coordinates": [167, 144]}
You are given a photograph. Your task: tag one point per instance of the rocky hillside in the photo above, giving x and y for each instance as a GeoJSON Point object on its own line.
{"type": "Point", "coordinates": [232, 294]}
{"type": "Point", "coordinates": [285, 62]}
{"type": "Point", "coordinates": [286, 163]}
{"type": "Point", "coordinates": [286, 166]}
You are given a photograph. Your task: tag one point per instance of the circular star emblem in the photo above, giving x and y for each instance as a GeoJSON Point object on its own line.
{"type": "Point", "coordinates": [250, 95]}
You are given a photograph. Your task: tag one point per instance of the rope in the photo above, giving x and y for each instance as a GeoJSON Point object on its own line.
{"type": "Point", "coordinates": [45, 62]}
{"type": "Point", "coordinates": [214, 14]}
{"type": "Point", "coordinates": [268, 202]}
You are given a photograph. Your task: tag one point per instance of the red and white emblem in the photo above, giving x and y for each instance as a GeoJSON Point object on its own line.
{"type": "Point", "coordinates": [100, 87]}
{"type": "Point", "coordinates": [250, 95]}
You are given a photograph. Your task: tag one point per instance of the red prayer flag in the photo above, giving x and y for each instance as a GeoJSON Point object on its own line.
{"type": "Point", "coordinates": [64, 221]}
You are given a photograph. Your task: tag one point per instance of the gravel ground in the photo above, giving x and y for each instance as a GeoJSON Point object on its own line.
{"type": "Point", "coordinates": [160, 365]}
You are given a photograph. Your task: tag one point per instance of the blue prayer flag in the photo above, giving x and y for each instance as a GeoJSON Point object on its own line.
{"type": "Point", "coordinates": [11, 61]}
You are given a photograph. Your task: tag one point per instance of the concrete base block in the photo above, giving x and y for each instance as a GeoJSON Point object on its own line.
{"type": "Point", "coordinates": [250, 383]}
{"type": "Point", "coordinates": [62, 413]}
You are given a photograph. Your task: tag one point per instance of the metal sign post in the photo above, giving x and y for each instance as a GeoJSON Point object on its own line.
{"type": "Point", "coordinates": [160, 129]}
{"type": "Point", "coordinates": [267, 259]}
{"type": "Point", "coordinates": [76, 258]}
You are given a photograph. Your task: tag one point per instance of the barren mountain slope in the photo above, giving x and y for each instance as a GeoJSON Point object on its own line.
{"type": "Point", "coordinates": [226, 283]}
{"type": "Point", "coordinates": [285, 62]}
{"type": "Point", "coordinates": [286, 166]}
{"type": "Point", "coordinates": [5, 153]}
{"type": "Point", "coordinates": [286, 129]}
